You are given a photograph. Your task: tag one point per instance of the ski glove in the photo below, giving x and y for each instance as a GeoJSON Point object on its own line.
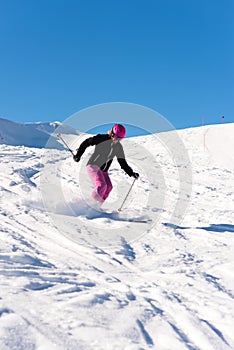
{"type": "Point", "coordinates": [135, 175]}
{"type": "Point", "coordinates": [76, 158]}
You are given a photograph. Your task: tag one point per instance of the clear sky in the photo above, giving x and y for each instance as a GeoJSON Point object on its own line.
{"type": "Point", "coordinates": [174, 56]}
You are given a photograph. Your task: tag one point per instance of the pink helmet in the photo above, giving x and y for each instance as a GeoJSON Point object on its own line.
{"type": "Point", "coordinates": [119, 130]}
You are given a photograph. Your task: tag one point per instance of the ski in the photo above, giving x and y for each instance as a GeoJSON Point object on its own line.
{"type": "Point", "coordinates": [141, 221]}
{"type": "Point", "coordinates": [116, 216]}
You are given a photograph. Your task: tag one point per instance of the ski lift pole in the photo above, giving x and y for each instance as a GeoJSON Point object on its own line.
{"type": "Point", "coordinates": [59, 136]}
{"type": "Point", "coordinates": [127, 195]}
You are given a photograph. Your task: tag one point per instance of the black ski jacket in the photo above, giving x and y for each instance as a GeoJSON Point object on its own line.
{"type": "Point", "coordinates": [105, 151]}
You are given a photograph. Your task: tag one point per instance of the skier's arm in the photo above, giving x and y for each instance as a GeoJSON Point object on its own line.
{"type": "Point", "coordinates": [91, 141]}
{"type": "Point", "coordinates": [123, 163]}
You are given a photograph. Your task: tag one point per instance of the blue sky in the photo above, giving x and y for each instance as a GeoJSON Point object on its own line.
{"type": "Point", "coordinates": [173, 56]}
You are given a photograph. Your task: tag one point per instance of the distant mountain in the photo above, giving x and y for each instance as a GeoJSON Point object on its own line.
{"type": "Point", "coordinates": [32, 134]}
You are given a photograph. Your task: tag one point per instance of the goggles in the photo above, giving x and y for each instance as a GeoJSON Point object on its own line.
{"type": "Point", "coordinates": [117, 137]}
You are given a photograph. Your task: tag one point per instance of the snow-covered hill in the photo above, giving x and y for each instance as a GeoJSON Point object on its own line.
{"type": "Point", "coordinates": [31, 134]}
{"type": "Point", "coordinates": [72, 278]}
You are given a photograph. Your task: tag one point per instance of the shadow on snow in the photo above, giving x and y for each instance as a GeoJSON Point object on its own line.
{"type": "Point", "coordinates": [212, 228]}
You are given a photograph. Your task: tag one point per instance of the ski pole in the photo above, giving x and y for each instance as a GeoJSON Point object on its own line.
{"type": "Point", "coordinates": [127, 195]}
{"type": "Point", "coordinates": [59, 136]}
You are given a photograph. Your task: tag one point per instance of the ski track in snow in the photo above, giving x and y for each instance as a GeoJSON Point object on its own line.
{"type": "Point", "coordinates": [169, 289]}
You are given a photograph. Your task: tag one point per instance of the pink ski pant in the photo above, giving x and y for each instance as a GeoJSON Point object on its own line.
{"type": "Point", "coordinates": [101, 181]}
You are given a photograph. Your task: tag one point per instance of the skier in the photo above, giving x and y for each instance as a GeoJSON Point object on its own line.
{"type": "Point", "coordinates": [107, 146]}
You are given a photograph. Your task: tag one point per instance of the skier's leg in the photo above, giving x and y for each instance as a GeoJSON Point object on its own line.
{"type": "Point", "coordinates": [108, 185]}
{"type": "Point", "coordinates": [99, 182]}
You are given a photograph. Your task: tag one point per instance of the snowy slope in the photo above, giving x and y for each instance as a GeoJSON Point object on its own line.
{"type": "Point", "coordinates": [72, 278]}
